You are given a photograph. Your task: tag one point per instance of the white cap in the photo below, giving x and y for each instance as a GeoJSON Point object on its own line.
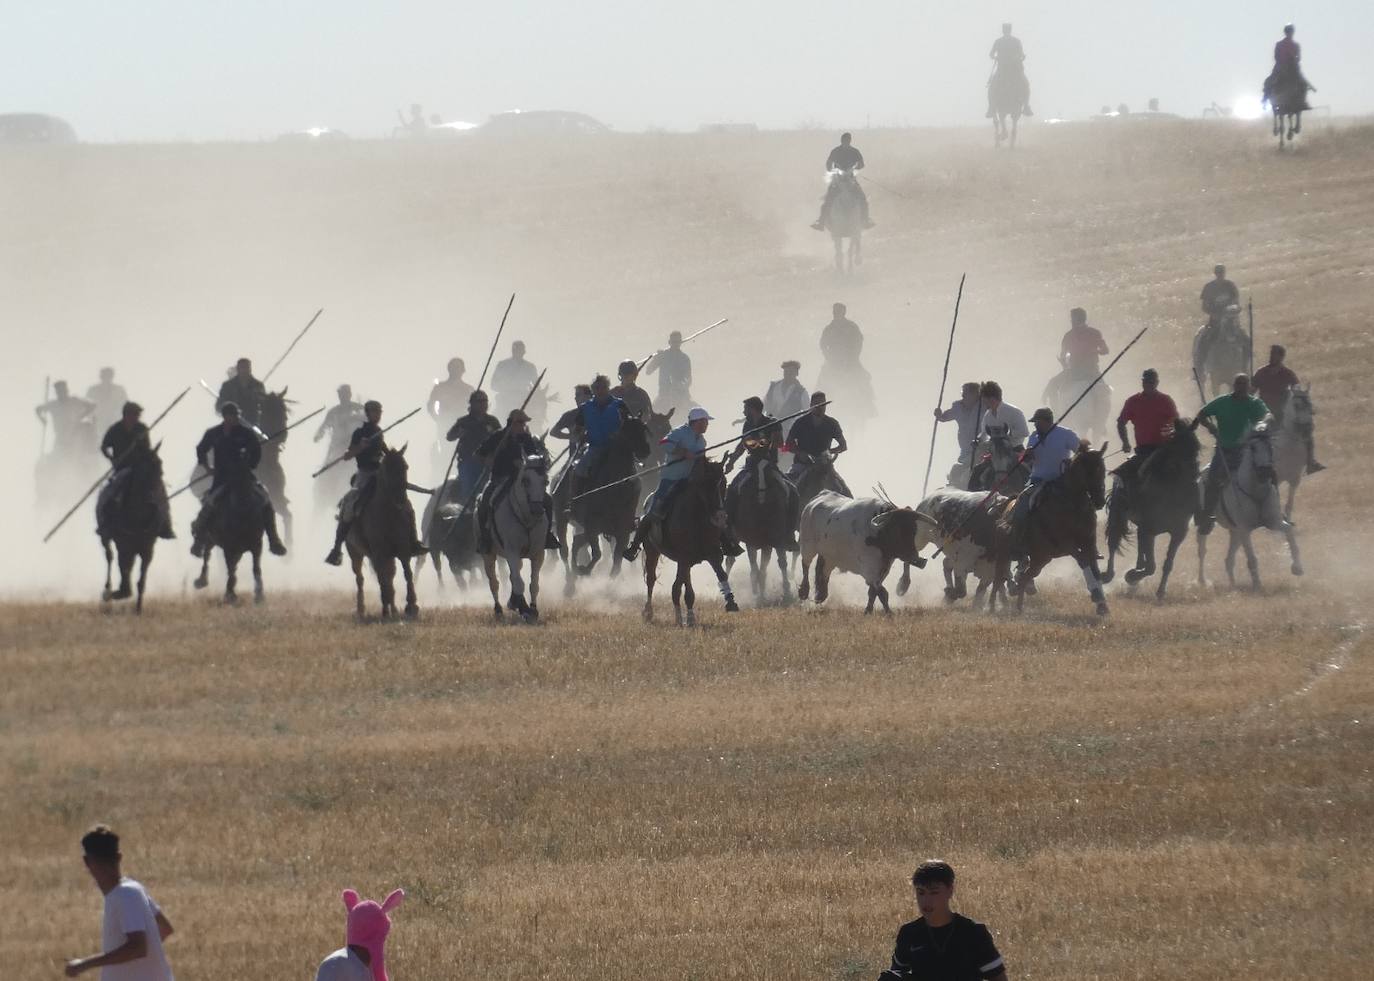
{"type": "Point", "coordinates": [698, 413]}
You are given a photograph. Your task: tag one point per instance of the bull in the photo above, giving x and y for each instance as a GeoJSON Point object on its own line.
{"type": "Point", "coordinates": [863, 536]}
{"type": "Point", "coordinates": [972, 543]}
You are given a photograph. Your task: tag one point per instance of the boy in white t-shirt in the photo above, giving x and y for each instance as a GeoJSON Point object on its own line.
{"type": "Point", "coordinates": [134, 927]}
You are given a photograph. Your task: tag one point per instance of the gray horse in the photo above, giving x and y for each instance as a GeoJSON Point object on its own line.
{"type": "Point", "coordinates": [1221, 352]}
{"type": "Point", "coordinates": [845, 220]}
{"type": "Point", "coordinates": [1290, 445]}
{"type": "Point", "coordinates": [384, 534]}
{"type": "Point", "coordinates": [519, 528]}
{"type": "Point", "coordinates": [1250, 500]}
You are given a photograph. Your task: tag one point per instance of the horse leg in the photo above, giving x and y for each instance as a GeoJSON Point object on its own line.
{"type": "Point", "coordinates": [412, 606]}
{"type": "Point", "coordinates": [1231, 548]}
{"type": "Point", "coordinates": [755, 586]}
{"type": "Point", "coordinates": [1288, 502]}
{"type": "Point", "coordinates": [765, 560]}
{"type": "Point", "coordinates": [839, 253]}
{"type": "Point", "coordinates": [1015, 125]}
{"type": "Point", "coordinates": [822, 580]}
{"type": "Point", "coordinates": [537, 563]}
{"type": "Point", "coordinates": [650, 577]}
{"type": "Point", "coordinates": [677, 595]}
{"type": "Point", "coordinates": [782, 571]}
{"type": "Point", "coordinates": [1292, 537]}
{"type": "Point", "coordinates": [872, 596]}
{"type": "Point", "coordinates": [257, 574]}
{"type": "Point", "coordinates": [804, 590]}
{"type": "Point", "coordinates": [1087, 561]}
{"type": "Point", "coordinates": [231, 578]}
{"type": "Point", "coordinates": [516, 603]}
{"type": "Point", "coordinates": [1202, 559]}
{"type": "Point", "coordinates": [722, 580]}
{"type": "Point", "coordinates": [489, 562]}
{"type": "Point", "coordinates": [109, 565]}
{"type": "Point", "coordinates": [1251, 561]}
{"type": "Point", "coordinates": [1175, 540]}
{"type": "Point", "coordinates": [203, 580]}
{"type": "Point", "coordinates": [617, 552]}
{"type": "Point", "coordinates": [145, 559]}
{"type": "Point", "coordinates": [356, 560]}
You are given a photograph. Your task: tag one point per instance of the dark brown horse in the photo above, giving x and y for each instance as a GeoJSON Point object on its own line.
{"type": "Point", "coordinates": [609, 513]}
{"type": "Point", "coordinates": [1162, 501]}
{"type": "Point", "coordinates": [450, 530]}
{"type": "Point", "coordinates": [236, 527]}
{"type": "Point", "coordinates": [132, 524]}
{"type": "Point", "coordinates": [690, 534]}
{"type": "Point", "coordinates": [273, 411]}
{"type": "Point", "coordinates": [384, 534]}
{"type": "Point", "coordinates": [763, 524]}
{"type": "Point", "coordinates": [1064, 523]}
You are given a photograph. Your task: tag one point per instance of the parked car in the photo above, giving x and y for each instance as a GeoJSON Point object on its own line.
{"type": "Point", "coordinates": [34, 127]}
{"type": "Point", "coordinates": [542, 122]}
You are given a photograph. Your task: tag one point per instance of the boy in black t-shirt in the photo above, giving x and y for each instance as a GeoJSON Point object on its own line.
{"type": "Point", "coordinates": [942, 945]}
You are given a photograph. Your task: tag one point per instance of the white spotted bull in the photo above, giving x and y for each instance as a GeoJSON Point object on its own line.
{"type": "Point", "coordinates": [971, 542]}
{"type": "Point", "coordinates": [864, 536]}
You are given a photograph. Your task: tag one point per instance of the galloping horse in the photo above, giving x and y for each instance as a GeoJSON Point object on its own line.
{"type": "Point", "coordinates": [519, 529]}
{"type": "Point", "coordinates": [845, 220]}
{"type": "Point", "coordinates": [236, 526]}
{"type": "Point", "coordinates": [610, 512]}
{"type": "Point", "coordinates": [689, 534]}
{"type": "Point", "coordinates": [273, 412]}
{"type": "Point", "coordinates": [1065, 388]}
{"type": "Point", "coordinates": [450, 529]}
{"type": "Point", "coordinates": [1221, 352]}
{"type": "Point", "coordinates": [1007, 93]}
{"type": "Point", "coordinates": [1288, 99]}
{"type": "Point", "coordinates": [999, 465]}
{"type": "Point", "coordinates": [1250, 500]}
{"type": "Point", "coordinates": [1163, 501]}
{"type": "Point", "coordinates": [1290, 445]}
{"type": "Point", "coordinates": [1064, 523]}
{"type": "Point", "coordinates": [132, 524]}
{"type": "Point", "coordinates": [382, 533]}
{"type": "Point", "coordinates": [763, 524]}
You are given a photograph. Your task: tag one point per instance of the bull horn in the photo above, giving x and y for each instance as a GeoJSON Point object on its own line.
{"type": "Point", "coordinates": [881, 521]}
{"type": "Point", "coordinates": [1103, 447]}
{"type": "Point", "coordinates": [922, 516]}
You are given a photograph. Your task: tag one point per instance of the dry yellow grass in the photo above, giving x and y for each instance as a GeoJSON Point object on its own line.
{"type": "Point", "coordinates": [1180, 792]}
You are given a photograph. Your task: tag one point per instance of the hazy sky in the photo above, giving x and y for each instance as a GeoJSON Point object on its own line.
{"type": "Point", "coordinates": [248, 69]}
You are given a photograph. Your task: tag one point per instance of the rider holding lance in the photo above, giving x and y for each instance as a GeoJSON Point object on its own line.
{"type": "Point", "coordinates": [243, 390]}
{"type": "Point", "coordinates": [1230, 418]}
{"type": "Point", "coordinates": [761, 447]}
{"type": "Point", "coordinates": [1273, 382]}
{"type": "Point", "coordinates": [1009, 58]}
{"type": "Point", "coordinates": [503, 453]}
{"type": "Point", "coordinates": [1048, 451]}
{"type": "Point", "coordinates": [965, 413]}
{"type": "Point", "coordinates": [812, 436]}
{"type": "Point", "coordinates": [367, 446]}
{"type": "Point", "coordinates": [237, 454]}
{"type": "Point", "coordinates": [674, 368]}
{"type": "Point", "coordinates": [637, 401]}
{"type": "Point", "coordinates": [121, 445]}
{"type": "Point", "coordinates": [470, 432]}
{"type": "Point", "coordinates": [846, 159]}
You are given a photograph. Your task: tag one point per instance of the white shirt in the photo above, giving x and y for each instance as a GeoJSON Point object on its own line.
{"type": "Point", "coordinates": [343, 965]}
{"type": "Point", "coordinates": [1008, 415]}
{"type": "Point", "coordinates": [966, 417]}
{"type": "Point", "coordinates": [129, 909]}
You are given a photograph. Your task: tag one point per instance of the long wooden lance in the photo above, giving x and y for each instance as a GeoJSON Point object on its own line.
{"type": "Point", "coordinates": [276, 364]}
{"type": "Point", "coordinates": [114, 465]}
{"type": "Point", "coordinates": [691, 337]}
{"type": "Point", "coordinates": [714, 446]}
{"type": "Point", "coordinates": [453, 457]}
{"type": "Point", "coordinates": [243, 422]}
{"type": "Point", "coordinates": [1022, 455]}
{"type": "Point", "coordinates": [266, 439]}
{"type": "Point", "coordinates": [375, 436]}
{"type": "Point", "coordinates": [944, 375]}
{"type": "Point", "coordinates": [43, 438]}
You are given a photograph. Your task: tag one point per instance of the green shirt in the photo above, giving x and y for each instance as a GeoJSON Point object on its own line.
{"type": "Point", "coordinates": [1234, 417]}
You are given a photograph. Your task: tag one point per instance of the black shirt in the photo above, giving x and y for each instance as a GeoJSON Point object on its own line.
{"type": "Point", "coordinates": [814, 436]}
{"type": "Point", "coordinates": [844, 158]}
{"type": "Point", "coordinates": [369, 460]}
{"type": "Point", "coordinates": [1218, 294]}
{"type": "Point", "coordinates": [471, 431]}
{"type": "Point", "coordinates": [961, 950]}
{"type": "Point", "coordinates": [236, 451]}
{"type": "Point", "coordinates": [765, 442]}
{"type": "Point", "coordinates": [512, 450]}
{"type": "Point", "coordinates": [247, 394]}
{"type": "Point", "coordinates": [119, 440]}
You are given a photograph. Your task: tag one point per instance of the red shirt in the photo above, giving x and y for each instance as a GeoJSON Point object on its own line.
{"type": "Point", "coordinates": [1152, 414]}
{"type": "Point", "coordinates": [1287, 51]}
{"type": "Point", "coordinates": [1273, 382]}
{"type": "Point", "coordinates": [1083, 345]}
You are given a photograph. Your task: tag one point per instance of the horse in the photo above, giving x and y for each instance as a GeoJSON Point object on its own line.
{"type": "Point", "coordinates": [610, 512]}
{"type": "Point", "coordinates": [1250, 500]}
{"type": "Point", "coordinates": [763, 524]}
{"type": "Point", "coordinates": [845, 220]}
{"type": "Point", "coordinates": [1007, 92]}
{"type": "Point", "coordinates": [382, 533]}
{"type": "Point", "coordinates": [1287, 96]}
{"type": "Point", "coordinates": [660, 424]}
{"type": "Point", "coordinates": [273, 411]}
{"type": "Point", "coordinates": [519, 529]}
{"type": "Point", "coordinates": [1065, 388]}
{"type": "Point", "coordinates": [850, 384]}
{"type": "Point", "coordinates": [1162, 501]}
{"type": "Point", "coordinates": [999, 465]}
{"type": "Point", "coordinates": [450, 529]}
{"type": "Point", "coordinates": [1290, 444]}
{"type": "Point", "coordinates": [236, 526]}
{"type": "Point", "coordinates": [1221, 352]}
{"type": "Point", "coordinates": [1064, 523]}
{"type": "Point", "coordinates": [132, 524]}
{"type": "Point", "coordinates": [690, 534]}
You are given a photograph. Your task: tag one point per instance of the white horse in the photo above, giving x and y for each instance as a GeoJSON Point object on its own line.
{"type": "Point", "coordinates": [1290, 446]}
{"type": "Point", "coordinates": [519, 529]}
{"type": "Point", "coordinates": [1249, 501]}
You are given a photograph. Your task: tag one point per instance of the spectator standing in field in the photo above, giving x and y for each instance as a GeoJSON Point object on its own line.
{"type": "Point", "coordinates": [942, 945]}
{"type": "Point", "coordinates": [361, 958]}
{"type": "Point", "coordinates": [134, 927]}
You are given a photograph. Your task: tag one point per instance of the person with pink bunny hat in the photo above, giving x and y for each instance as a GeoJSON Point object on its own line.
{"type": "Point", "coordinates": [360, 959]}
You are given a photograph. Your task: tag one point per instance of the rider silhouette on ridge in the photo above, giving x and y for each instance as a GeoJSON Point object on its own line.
{"type": "Point", "coordinates": [1010, 59]}
{"type": "Point", "coordinates": [846, 159]}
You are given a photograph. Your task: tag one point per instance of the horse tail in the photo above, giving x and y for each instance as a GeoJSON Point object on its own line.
{"type": "Point", "coordinates": [1118, 523]}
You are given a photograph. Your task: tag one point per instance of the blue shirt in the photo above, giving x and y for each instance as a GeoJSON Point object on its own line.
{"type": "Point", "coordinates": [1052, 452]}
{"type": "Point", "coordinates": [601, 421]}
{"type": "Point", "coordinates": [683, 437]}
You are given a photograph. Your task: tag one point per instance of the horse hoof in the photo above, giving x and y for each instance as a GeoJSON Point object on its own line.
{"type": "Point", "coordinates": [691, 618]}
{"type": "Point", "coordinates": [648, 615]}
{"type": "Point", "coordinates": [1102, 608]}
{"type": "Point", "coordinates": [231, 600]}
{"type": "Point", "coordinates": [1297, 568]}
{"type": "Point", "coordinates": [903, 585]}
{"type": "Point", "coordinates": [412, 612]}
{"type": "Point", "coordinates": [120, 594]}
{"type": "Point", "coordinates": [105, 596]}
{"type": "Point", "coordinates": [200, 582]}
{"type": "Point", "coordinates": [730, 605]}
{"type": "Point", "coordinates": [803, 592]}
{"type": "Point", "coordinates": [1109, 575]}
{"type": "Point", "coordinates": [259, 599]}
{"type": "Point", "coordinates": [1133, 576]}
{"type": "Point", "coordinates": [496, 612]}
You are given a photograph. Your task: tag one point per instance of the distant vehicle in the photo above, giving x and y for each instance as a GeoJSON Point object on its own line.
{"type": "Point", "coordinates": [542, 122]}
{"type": "Point", "coordinates": [730, 128]}
{"type": "Point", "coordinates": [454, 127]}
{"type": "Point", "coordinates": [34, 127]}
{"type": "Point", "coordinates": [315, 134]}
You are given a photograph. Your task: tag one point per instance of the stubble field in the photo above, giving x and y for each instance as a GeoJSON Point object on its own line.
{"type": "Point", "coordinates": [1180, 791]}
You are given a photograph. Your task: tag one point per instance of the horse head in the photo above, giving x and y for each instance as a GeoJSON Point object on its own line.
{"type": "Point", "coordinates": [1088, 470]}
{"type": "Point", "coordinates": [634, 432]}
{"type": "Point", "coordinates": [660, 423]}
{"type": "Point", "coordinates": [534, 476]}
{"type": "Point", "coordinates": [273, 412]}
{"type": "Point", "coordinates": [1259, 451]}
{"type": "Point", "coordinates": [1300, 411]}
{"type": "Point", "coordinates": [394, 468]}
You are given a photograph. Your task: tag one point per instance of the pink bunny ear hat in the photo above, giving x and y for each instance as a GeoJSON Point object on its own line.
{"type": "Point", "coordinates": [368, 925]}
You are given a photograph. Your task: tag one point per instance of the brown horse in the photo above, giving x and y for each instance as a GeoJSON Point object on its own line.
{"type": "Point", "coordinates": [764, 525]}
{"type": "Point", "coordinates": [132, 524]}
{"type": "Point", "coordinates": [689, 534]}
{"type": "Point", "coordinates": [236, 527]}
{"type": "Point", "coordinates": [609, 513]}
{"type": "Point", "coordinates": [1064, 523]}
{"type": "Point", "coordinates": [384, 533]}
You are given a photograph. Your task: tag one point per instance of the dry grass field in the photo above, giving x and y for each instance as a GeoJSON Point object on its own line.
{"type": "Point", "coordinates": [1173, 792]}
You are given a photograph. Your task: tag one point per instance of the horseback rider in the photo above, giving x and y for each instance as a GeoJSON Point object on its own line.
{"type": "Point", "coordinates": [1152, 414]}
{"type": "Point", "coordinates": [674, 369]}
{"type": "Point", "coordinates": [244, 391]}
{"type": "Point", "coordinates": [601, 417]}
{"type": "Point", "coordinates": [636, 400]}
{"type": "Point", "coordinates": [848, 161]}
{"type": "Point", "coordinates": [446, 396]}
{"type": "Point", "coordinates": [71, 420]}
{"type": "Point", "coordinates": [512, 379]}
{"type": "Point", "coordinates": [1001, 418]}
{"type": "Point", "coordinates": [340, 421]}
{"type": "Point", "coordinates": [1048, 451]}
{"type": "Point", "coordinates": [367, 446]}
{"type": "Point", "coordinates": [470, 432]}
{"type": "Point", "coordinates": [1081, 347]}
{"type": "Point", "coordinates": [237, 454]}
{"type": "Point", "coordinates": [569, 424]}
{"type": "Point", "coordinates": [122, 445]}
{"type": "Point", "coordinates": [1273, 382]}
{"type": "Point", "coordinates": [1287, 66]}
{"type": "Point", "coordinates": [1218, 295]}
{"type": "Point", "coordinates": [1230, 418]}
{"type": "Point", "coordinates": [685, 445]}
{"type": "Point", "coordinates": [786, 396]}
{"type": "Point", "coordinates": [812, 436]}
{"type": "Point", "coordinates": [503, 452]}
{"type": "Point", "coordinates": [966, 412]}
{"type": "Point", "coordinates": [761, 448]}
{"type": "Point", "coordinates": [108, 398]}
{"type": "Point", "coordinates": [1009, 60]}
{"type": "Point", "coordinates": [841, 344]}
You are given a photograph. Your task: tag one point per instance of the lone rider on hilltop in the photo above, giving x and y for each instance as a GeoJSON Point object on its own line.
{"type": "Point", "coordinates": [847, 160]}
{"type": "Point", "coordinates": [1009, 58]}
{"type": "Point", "coordinates": [1287, 67]}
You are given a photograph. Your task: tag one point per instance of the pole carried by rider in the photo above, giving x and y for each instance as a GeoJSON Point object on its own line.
{"type": "Point", "coordinates": [690, 337]}
{"type": "Point", "coordinates": [266, 439]}
{"type": "Point", "coordinates": [368, 441]}
{"type": "Point", "coordinates": [114, 465]}
{"type": "Point", "coordinates": [714, 446]}
{"type": "Point", "coordinates": [277, 364]}
{"type": "Point", "coordinates": [944, 375]}
{"type": "Point", "coordinates": [453, 458]}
